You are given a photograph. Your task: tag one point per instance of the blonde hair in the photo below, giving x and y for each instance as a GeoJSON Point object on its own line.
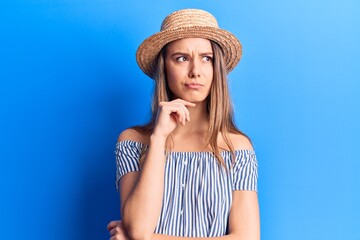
{"type": "Point", "coordinates": [219, 106]}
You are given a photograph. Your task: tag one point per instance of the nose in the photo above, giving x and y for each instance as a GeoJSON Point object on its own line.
{"type": "Point", "coordinates": [194, 71]}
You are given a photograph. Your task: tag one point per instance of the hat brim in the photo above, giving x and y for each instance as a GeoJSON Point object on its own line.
{"type": "Point", "coordinates": [147, 53]}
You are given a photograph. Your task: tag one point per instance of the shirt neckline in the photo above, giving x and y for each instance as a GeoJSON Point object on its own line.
{"type": "Point", "coordinates": [132, 142]}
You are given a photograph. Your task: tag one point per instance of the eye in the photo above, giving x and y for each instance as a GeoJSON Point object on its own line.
{"type": "Point", "coordinates": [181, 59]}
{"type": "Point", "coordinates": [207, 58]}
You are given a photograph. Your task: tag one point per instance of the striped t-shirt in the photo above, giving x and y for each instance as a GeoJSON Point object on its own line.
{"type": "Point", "coordinates": [197, 189]}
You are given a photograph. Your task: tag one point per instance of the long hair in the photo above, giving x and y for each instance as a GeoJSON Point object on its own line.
{"type": "Point", "coordinates": [218, 106]}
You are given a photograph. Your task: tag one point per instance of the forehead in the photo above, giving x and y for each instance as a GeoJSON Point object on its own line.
{"type": "Point", "coordinates": [190, 45]}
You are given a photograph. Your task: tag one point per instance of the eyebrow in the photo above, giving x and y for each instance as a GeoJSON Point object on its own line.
{"type": "Point", "coordinates": [186, 54]}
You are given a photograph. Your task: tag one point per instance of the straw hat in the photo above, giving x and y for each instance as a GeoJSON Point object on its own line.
{"type": "Point", "coordinates": [187, 23]}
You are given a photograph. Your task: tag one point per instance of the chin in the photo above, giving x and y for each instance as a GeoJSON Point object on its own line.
{"type": "Point", "coordinates": [195, 99]}
{"type": "Point", "coordinates": [191, 98]}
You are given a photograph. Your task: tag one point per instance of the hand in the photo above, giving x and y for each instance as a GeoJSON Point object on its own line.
{"type": "Point", "coordinates": [170, 114]}
{"type": "Point", "coordinates": [117, 231]}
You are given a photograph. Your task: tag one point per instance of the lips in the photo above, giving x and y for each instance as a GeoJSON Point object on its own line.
{"type": "Point", "coordinates": [193, 85]}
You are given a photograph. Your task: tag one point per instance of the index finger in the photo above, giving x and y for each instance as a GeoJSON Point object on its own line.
{"type": "Point", "coordinates": [186, 103]}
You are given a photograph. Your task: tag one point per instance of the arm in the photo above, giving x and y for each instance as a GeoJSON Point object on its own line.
{"type": "Point", "coordinates": [142, 193]}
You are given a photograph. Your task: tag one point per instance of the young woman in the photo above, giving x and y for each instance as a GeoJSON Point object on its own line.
{"type": "Point", "coordinates": [189, 173]}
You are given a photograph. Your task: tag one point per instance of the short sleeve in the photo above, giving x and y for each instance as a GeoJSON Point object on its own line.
{"type": "Point", "coordinates": [245, 171]}
{"type": "Point", "coordinates": [127, 155]}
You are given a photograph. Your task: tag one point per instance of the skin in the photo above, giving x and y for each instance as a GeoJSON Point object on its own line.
{"type": "Point", "coordinates": [189, 71]}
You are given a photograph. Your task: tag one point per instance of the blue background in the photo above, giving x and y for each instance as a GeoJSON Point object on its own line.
{"type": "Point", "coordinates": [69, 84]}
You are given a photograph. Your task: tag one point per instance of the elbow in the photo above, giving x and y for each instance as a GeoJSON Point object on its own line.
{"type": "Point", "coordinates": [137, 226]}
{"type": "Point", "coordinates": [137, 232]}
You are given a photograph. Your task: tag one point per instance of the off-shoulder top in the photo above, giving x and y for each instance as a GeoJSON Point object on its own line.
{"type": "Point", "coordinates": [197, 189]}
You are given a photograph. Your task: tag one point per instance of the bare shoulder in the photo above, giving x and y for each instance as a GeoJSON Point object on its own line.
{"type": "Point", "coordinates": [133, 135]}
{"type": "Point", "coordinates": [240, 141]}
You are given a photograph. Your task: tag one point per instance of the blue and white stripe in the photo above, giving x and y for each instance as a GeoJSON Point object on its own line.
{"type": "Point", "coordinates": [197, 190]}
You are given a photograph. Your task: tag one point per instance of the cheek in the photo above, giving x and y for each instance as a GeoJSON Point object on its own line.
{"type": "Point", "coordinates": [209, 73]}
{"type": "Point", "coordinates": [171, 78]}
{"type": "Point", "coordinates": [174, 75]}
